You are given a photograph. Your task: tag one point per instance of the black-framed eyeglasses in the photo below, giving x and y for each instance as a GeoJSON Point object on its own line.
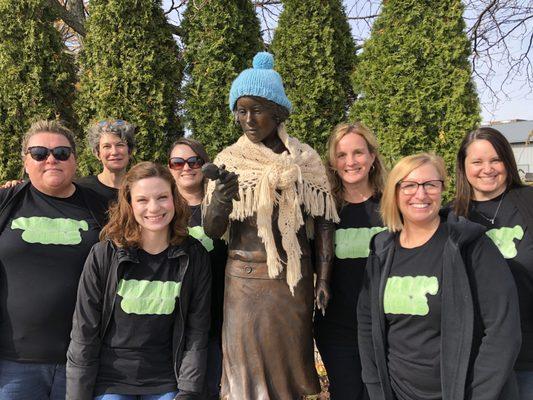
{"type": "Point", "coordinates": [430, 187]}
{"type": "Point", "coordinates": [41, 153]}
{"type": "Point", "coordinates": [177, 163]}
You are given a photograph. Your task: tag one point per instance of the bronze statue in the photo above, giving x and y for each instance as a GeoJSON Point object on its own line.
{"type": "Point", "coordinates": [275, 195]}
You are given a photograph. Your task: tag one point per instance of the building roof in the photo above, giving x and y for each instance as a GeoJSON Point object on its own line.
{"type": "Point", "coordinates": [514, 131]}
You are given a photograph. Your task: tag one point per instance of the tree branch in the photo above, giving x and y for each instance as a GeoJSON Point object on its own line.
{"type": "Point", "coordinates": [68, 17]}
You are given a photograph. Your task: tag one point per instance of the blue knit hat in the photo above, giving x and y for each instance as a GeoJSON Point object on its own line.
{"type": "Point", "coordinates": [260, 81]}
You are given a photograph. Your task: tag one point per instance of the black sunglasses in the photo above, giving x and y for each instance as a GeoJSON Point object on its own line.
{"type": "Point", "coordinates": [41, 153]}
{"type": "Point", "coordinates": [194, 162]}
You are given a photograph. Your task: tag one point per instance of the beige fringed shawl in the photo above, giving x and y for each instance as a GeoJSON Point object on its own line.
{"type": "Point", "coordinates": [288, 180]}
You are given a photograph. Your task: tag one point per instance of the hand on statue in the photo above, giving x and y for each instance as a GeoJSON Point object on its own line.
{"type": "Point", "coordinates": [12, 183]}
{"type": "Point", "coordinates": [322, 295]}
{"type": "Point", "coordinates": [227, 185]}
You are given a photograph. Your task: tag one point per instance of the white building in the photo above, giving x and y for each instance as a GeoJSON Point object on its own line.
{"type": "Point", "coordinates": [520, 134]}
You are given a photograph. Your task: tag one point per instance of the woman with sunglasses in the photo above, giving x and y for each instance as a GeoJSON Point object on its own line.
{"type": "Point", "coordinates": [47, 227]}
{"type": "Point", "coordinates": [185, 161]}
{"type": "Point", "coordinates": [357, 180]}
{"type": "Point", "coordinates": [141, 322]}
{"type": "Point", "coordinates": [490, 192]}
{"type": "Point", "coordinates": [438, 312]}
{"type": "Point", "coordinates": [112, 142]}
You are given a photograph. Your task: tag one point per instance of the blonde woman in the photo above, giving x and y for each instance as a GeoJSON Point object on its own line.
{"type": "Point", "coordinates": [357, 180]}
{"type": "Point", "coordinates": [438, 312]}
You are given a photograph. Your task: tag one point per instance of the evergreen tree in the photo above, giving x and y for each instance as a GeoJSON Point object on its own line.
{"type": "Point", "coordinates": [36, 76]}
{"type": "Point", "coordinates": [315, 55]}
{"type": "Point", "coordinates": [221, 38]}
{"type": "Point", "coordinates": [131, 69]}
{"type": "Point", "coordinates": [415, 79]}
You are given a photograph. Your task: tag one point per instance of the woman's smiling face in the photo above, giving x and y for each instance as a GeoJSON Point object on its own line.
{"type": "Point", "coordinates": [353, 160]}
{"type": "Point", "coordinates": [485, 171]}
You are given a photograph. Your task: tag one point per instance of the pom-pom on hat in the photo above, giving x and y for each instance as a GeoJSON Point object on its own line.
{"type": "Point", "coordinates": [260, 81]}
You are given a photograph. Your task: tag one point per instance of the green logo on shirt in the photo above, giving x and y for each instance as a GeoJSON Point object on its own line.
{"type": "Point", "coordinates": [354, 242]}
{"type": "Point", "coordinates": [148, 297]}
{"type": "Point", "coordinates": [407, 294]}
{"type": "Point", "coordinates": [46, 230]}
{"type": "Point", "coordinates": [504, 239]}
{"type": "Point", "coordinates": [197, 232]}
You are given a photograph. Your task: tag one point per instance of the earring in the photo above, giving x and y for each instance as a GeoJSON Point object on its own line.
{"type": "Point", "coordinates": [372, 167]}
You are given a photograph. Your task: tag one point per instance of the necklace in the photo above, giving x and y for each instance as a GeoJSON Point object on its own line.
{"type": "Point", "coordinates": [491, 220]}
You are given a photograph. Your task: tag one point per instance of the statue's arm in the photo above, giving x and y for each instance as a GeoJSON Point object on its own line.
{"type": "Point", "coordinates": [216, 218]}
{"type": "Point", "coordinates": [324, 248]}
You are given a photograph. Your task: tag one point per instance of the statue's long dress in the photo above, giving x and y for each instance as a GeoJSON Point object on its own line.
{"type": "Point", "coordinates": [267, 338]}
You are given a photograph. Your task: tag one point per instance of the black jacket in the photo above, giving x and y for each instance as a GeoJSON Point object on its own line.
{"type": "Point", "coordinates": [94, 308]}
{"type": "Point", "coordinates": [522, 198]}
{"type": "Point", "coordinates": [480, 327]}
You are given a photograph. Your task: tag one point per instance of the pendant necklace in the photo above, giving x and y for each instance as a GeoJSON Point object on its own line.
{"type": "Point", "coordinates": [491, 220]}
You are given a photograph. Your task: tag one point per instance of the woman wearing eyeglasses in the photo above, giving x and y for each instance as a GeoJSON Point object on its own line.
{"type": "Point", "coordinates": [142, 314]}
{"type": "Point", "coordinates": [438, 313]}
{"type": "Point", "coordinates": [47, 227]}
{"type": "Point", "coordinates": [490, 192]}
{"type": "Point", "coordinates": [112, 142]}
{"type": "Point", "coordinates": [185, 161]}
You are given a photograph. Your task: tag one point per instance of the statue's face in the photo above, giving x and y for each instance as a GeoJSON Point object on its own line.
{"type": "Point", "coordinates": [257, 119]}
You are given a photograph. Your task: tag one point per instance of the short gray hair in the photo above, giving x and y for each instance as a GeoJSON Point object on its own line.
{"type": "Point", "coordinates": [48, 126]}
{"type": "Point", "coordinates": [118, 127]}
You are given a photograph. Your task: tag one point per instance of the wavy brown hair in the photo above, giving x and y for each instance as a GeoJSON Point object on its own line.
{"type": "Point", "coordinates": [378, 172]}
{"type": "Point", "coordinates": [122, 228]}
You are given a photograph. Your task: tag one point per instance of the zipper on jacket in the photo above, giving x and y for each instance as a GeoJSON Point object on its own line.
{"type": "Point", "coordinates": [183, 324]}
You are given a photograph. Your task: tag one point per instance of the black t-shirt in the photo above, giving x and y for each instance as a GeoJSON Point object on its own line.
{"type": "Point", "coordinates": [358, 224]}
{"type": "Point", "coordinates": [412, 306]}
{"type": "Point", "coordinates": [218, 253]}
{"type": "Point", "coordinates": [136, 356]}
{"type": "Point", "coordinates": [510, 234]}
{"type": "Point", "coordinates": [92, 182]}
{"type": "Point", "coordinates": [43, 248]}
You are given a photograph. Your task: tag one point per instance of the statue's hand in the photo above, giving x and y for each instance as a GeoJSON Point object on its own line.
{"type": "Point", "coordinates": [227, 186]}
{"type": "Point", "coordinates": [322, 295]}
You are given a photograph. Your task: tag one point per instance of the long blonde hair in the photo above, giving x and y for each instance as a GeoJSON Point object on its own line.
{"type": "Point", "coordinates": [377, 173]}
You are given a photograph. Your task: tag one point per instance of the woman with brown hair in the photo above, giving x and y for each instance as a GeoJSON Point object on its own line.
{"type": "Point", "coordinates": [141, 321]}
{"type": "Point", "coordinates": [489, 192]}
{"type": "Point", "coordinates": [186, 158]}
{"type": "Point", "coordinates": [357, 179]}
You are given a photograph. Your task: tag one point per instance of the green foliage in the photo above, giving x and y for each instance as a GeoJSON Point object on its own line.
{"type": "Point", "coordinates": [315, 55]}
{"type": "Point", "coordinates": [221, 37]}
{"type": "Point", "coordinates": [36, 76]}
{"type": "Point", "coordinates": [131, 69]}
{"type": "Point", "coordinates": [415, 79]}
